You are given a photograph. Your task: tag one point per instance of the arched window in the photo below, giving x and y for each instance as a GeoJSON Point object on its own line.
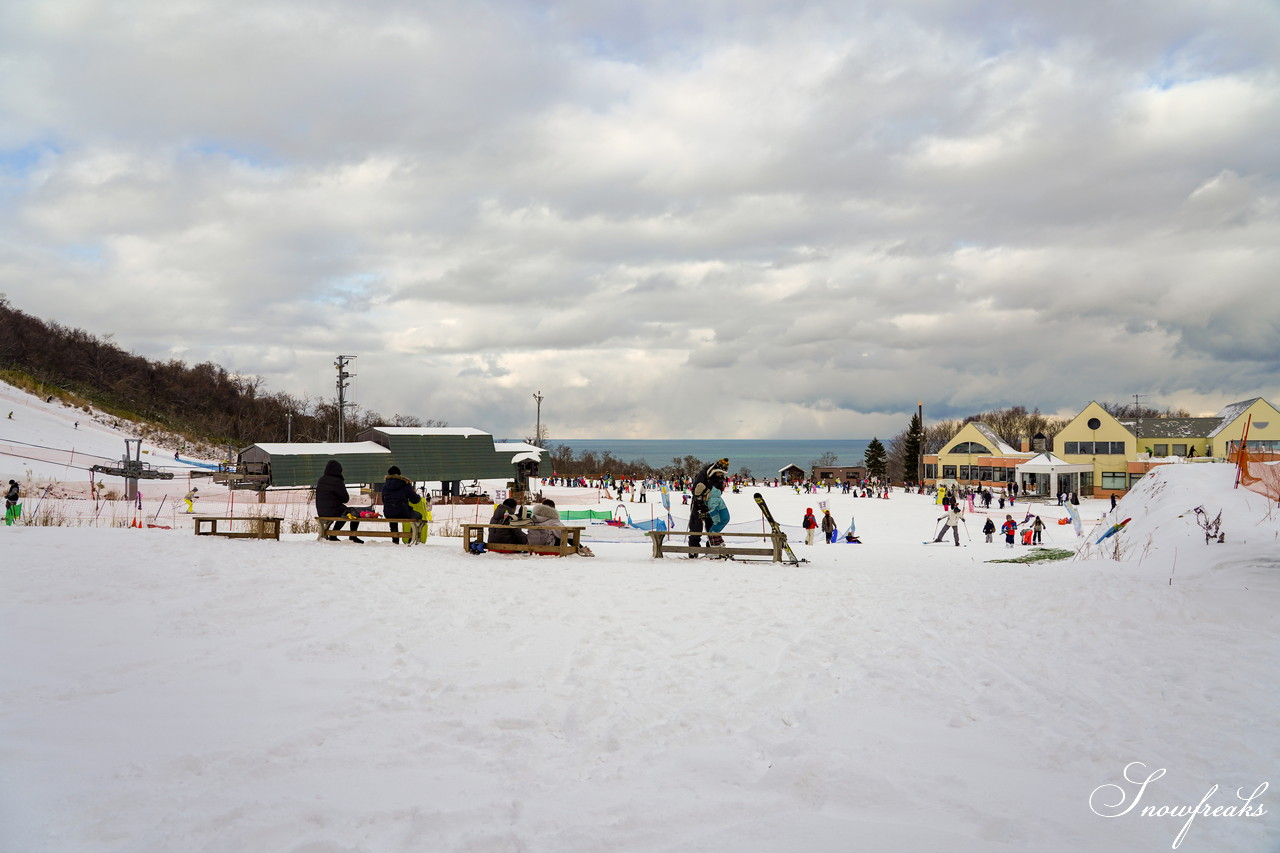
{"type": "Point", "coordinates": [969, 447]}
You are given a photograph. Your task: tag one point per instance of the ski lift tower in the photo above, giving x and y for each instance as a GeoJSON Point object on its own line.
{"type": "Point", "coordinates": [132, 468]}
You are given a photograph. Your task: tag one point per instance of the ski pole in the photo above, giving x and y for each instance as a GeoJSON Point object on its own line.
{"type": "Point", "coordinates": [966, 530]}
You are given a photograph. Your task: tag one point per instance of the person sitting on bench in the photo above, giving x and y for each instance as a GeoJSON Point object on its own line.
{"type": "Point", "coordinates": [545, 514]}
{"type": "Point", "coordinates": [507, 513]}
{"type": "Point", "coordinates": [332, 497]}
{"type": "Point", "coordinates": [397, 494]}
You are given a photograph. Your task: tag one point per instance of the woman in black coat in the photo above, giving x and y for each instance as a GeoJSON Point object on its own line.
{"type": "Point", "coordinates": [397, 494]}
{"type": "Point", "coordinates": [506, 514]}
{"type": "Point", "coordinates": [332, 497]}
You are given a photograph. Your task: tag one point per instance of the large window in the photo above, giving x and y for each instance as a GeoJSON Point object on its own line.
{"type": "Point", "coordinates": [1179, 450]}
{"type": "Point", "coordinates": [930, 471]}
{"type": "Point", "coordinates": [948, 472]}
{"type": "Point", "coordinates": [1093, 448]}
{"type": "Point", "coordinates": [1159, 450]}
{"type": "Point", "coordinates": [1118, 480]}
{"type": "Point", "coordinates": [969, 447]}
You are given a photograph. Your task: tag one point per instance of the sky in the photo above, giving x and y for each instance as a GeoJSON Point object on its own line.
{"type": "Point", "coordinates": [745, 219]}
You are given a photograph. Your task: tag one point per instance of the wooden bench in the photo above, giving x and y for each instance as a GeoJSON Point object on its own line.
{"type": "Point", "coordinates": [662, 547]}
{"type": "Point", "coordinates": [570, 539]}
{"type": "Point", "coordinates": [260, 527]}
{"type": "Point", "coordinates": [409, 528]}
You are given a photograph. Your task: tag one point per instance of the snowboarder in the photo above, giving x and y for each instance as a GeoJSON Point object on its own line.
{"type": "Point", "coordinates": [1009, 529]}
{"type": "Point", "coordinates": [810, 524]}
{"type": "Point", "coordinates": [11, 505]}
{"type": "Point", "coordinates": [712, 476]}
{"type": "Point", "coordinates": [952, 520]}
{"type": "Point", "coordinates": [190, 498]}
{"type": "Point", "coordinates": [989, 528]}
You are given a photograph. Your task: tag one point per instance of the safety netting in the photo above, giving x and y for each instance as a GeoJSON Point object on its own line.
{"type": "Point", "coordinates": [1260, 472]}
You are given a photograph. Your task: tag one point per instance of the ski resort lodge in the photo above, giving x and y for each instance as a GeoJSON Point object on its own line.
{"type": "Point", "coordinates": [1098, 455]}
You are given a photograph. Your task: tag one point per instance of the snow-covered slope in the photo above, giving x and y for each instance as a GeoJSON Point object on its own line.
{"type": "Point", "coordinates": [161, 692]}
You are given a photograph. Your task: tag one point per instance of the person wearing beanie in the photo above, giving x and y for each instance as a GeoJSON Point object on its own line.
{"type": "Point", "coordinates": [190, 497]}
{"type": "Point", "coordinates": [397, 494]}
{"type": "Point", "coordinates": [507, 514]}
{"type": "Point", "coordinates": [332, 497]}
{"type": "Point", "coordinates": [810, 524]}
{"type": "Point", "coordinates": [828, 527]}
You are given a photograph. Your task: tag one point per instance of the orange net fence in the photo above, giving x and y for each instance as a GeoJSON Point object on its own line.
{"type": "Point", "coordinates": [1260, 472]}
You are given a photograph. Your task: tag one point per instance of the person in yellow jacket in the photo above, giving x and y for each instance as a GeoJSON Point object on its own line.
{"type": "Point", "coordinates": [190, 498]}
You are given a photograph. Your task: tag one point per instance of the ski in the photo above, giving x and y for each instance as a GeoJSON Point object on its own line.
{"type": "Point", "coordinates": [768, 516]}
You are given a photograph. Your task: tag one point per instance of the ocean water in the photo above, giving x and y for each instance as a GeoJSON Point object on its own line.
{"type": "Point", "coordinates": [763, 458]}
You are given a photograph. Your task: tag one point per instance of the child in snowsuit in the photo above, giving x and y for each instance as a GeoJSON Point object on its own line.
{"type": "Point", "coordinates": [828, 527]}
{"type": "Point", "coordinates": [1009, 528]}
{"type": "Point", "coordinates": [190, 497]}
{"type": "Point", "coordinates": [1037, 528]}
{"type": "Point", "coordinates": [989, 528]}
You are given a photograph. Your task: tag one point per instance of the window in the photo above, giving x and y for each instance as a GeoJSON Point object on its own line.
{"type": "Point", "coordinates": [931, 471]}
{"type": "Point", "coordinates": [948, 472]}
{"type": "Point", "coordinates": [1086, 447]}
{"type": "Point", "coordinates": [969, 447]}
{"type": "Point", "coordinates": [1117, 448]}
{"type": "Point", "coordinates": [1114, 480]}
{"type": "Point", "coordinates": [1071, 447]}
{"type": "Point", "coordinates": [1160, 450]}
{"type": "Point", "coordinates": [1179, 450]}
{"type": "Point", "coordinates": [984, 474]}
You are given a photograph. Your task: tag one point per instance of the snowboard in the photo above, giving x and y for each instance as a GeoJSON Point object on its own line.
{"type": "Point", "coordinates": [773, 524]}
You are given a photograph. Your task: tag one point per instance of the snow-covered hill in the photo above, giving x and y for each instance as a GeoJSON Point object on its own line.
{"type": "Point", "coordinates": [162, 692]}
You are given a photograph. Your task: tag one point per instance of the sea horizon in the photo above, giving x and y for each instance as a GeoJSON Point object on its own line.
{"type": "Point", "coordinates": [762, 457]}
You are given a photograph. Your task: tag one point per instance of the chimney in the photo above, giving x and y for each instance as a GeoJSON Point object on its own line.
{"type": "Point", "coordinates": [1024, 444]}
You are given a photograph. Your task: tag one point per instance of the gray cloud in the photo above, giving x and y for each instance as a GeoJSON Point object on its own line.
{"type": "Point", "coordinates": [793, 219]}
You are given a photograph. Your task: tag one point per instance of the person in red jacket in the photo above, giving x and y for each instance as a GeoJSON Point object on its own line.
{"type": "Point", "coordinates": [1009, 528]}
{"type": "Point", "coordinates": [810, 524]}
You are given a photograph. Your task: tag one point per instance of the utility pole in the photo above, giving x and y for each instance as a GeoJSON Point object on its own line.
{"type": "Point", "coordinates": [537, 429]}
{"type": "Point", "coordinates": [920, 446]}
{"type": "Point", "coordinates": [343, 376]}
{"type": "Point", "coordinates": [288, 419]}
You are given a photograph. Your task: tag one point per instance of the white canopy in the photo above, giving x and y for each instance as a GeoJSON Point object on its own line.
{"type": "Point", "coordinates": [1047, 463]}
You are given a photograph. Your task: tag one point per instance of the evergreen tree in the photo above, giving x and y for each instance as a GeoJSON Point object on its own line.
{"type": "Point", "coordinates": [913, 449]}
{"type": "Point", "coordinates": [876, 459]}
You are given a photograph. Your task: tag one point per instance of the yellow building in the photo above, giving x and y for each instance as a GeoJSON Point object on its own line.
{"type": "Point", "coordinates": [1098, 454]}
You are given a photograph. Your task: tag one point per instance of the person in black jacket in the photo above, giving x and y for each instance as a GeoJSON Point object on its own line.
{"type": "Point", "coordinates": [507, 513]}
{"type": "Point", "coordinates": [710, 477]}
{"type": "Point", "coordinates": [397, 494]}
{"type": "Point", "coordinates": [332, 497]}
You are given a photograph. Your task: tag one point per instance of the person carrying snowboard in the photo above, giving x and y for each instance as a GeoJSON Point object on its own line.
{"type": "Point", "coordinates": [828, 527]}
{"type": "Point", "coordinates": [810, 524]}
{"type": "Point", "coordinates": [989, 528]}
{"type": "Point", "coordinates": [712, 476]}
{"type": "Point", "coordinates": [952, 520]}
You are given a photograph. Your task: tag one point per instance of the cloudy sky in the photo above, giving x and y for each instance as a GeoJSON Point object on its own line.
{"type": "Point", "coordinates": [704, 218]}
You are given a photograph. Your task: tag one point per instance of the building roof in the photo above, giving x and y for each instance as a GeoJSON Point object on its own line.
{"type": "Point", "coordinates": [998, 444]}
{"type": "Point", "coordinates": [1172, 427]}
{"type": "Point", "coordinates": [1230, 413]}
{"type": "Point", "coordinates": [320, 448]}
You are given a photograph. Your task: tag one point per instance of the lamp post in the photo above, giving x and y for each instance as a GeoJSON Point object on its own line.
{"type": "Point", "coordinates": [920, 446]}
{"type": "Point", "coordinates": [288, 419]}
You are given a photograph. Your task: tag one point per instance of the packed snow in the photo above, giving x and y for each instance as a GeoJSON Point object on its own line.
{"type": "Point", "coordinates": [164, 692]}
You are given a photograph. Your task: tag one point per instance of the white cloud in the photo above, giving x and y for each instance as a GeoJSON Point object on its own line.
{"type": "Point", "coordinates": [703, 219]}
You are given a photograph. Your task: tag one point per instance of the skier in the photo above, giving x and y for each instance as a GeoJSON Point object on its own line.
{"type": "Point", "coordinates": [1037, 527]}
{"type": "Point", "coordinates": [1009, 529]}
{"type": "Point", "coordinates": [828, 527]}
{"type": "Point", "coordinates": [712, 476]}
{"type": "Point", "coordinates": [989, 528]}
{"type": "Point", "coordinates": [809, 524]}
{"type": "Point", "coordinates": [953, 519]}
{"type": "Point", "coordinates": [190, 497]}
